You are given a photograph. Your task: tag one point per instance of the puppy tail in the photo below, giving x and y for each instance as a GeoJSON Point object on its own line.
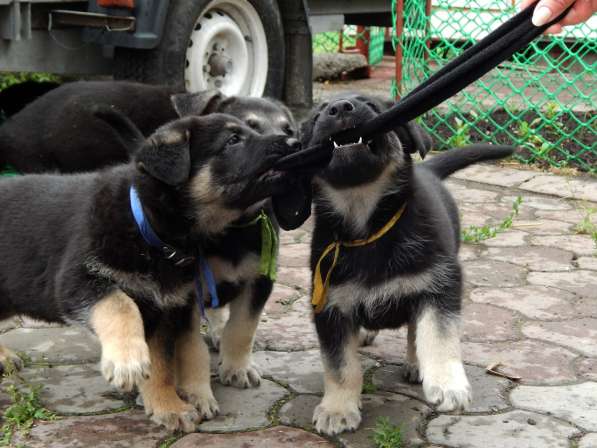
{"type": "Point", "coordinates": [128, 132]}
{"type": "Point", "coordinates": [448, 162]}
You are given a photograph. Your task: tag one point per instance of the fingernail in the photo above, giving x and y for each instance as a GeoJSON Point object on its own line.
{"type": "Point", "coordinates": [541, 16]}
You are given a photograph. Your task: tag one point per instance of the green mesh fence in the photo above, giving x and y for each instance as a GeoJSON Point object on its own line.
{"type": "Point", "coordinates": [330, 42]}
{"type": "Point", "coordinates": [543, 99]}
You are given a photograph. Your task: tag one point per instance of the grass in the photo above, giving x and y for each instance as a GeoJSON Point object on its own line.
{"type": "Point", "coordinates": [586, 225]}
{"type": "Point", "coordinates": [476, 234]}
{"type": "Point", "coordinates": [461, 136]}
{"type": "Point", "coordinates": [24, 410]}
{"type": "Point", "coordinates": [386, 435]}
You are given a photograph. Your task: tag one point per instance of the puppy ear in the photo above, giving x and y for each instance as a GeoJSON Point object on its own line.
{"type": "Point", "coordinates": [199, 103]}
{"type": "Point", "coordinates": [128, 133]}
{"type": "Point", "coordinates": [414, 139]}
{"type": "Point", "coordinates": [166, 155]}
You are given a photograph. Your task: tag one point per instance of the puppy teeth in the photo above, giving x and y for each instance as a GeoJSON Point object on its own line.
{"type": "Point", "coordinates": [335, 144]}
{"type": "Point", "coordinates": [360, 140]}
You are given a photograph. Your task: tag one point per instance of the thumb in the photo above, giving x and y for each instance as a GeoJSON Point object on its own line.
{"type": "Point", "coordinates": [547, 10]}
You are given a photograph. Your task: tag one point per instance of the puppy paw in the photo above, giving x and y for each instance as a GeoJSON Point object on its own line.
{"type": "Point", "coordinates": [242, 377]}
{"type": "Point", "coordinates": [366, 337]}
{"type": "Point", "coordinates": [449, 390]}
{"type": "Point", "coordinates": [9, 361]}
{"type": "Point", "coordinates": [411, 374]}
{"type": "Point", "coordinates": [335, 421]}
{"type": "Point", "coordinates": [202, 398]}
{"type": "Point", "coordinates": [126, 364]}
{"type": "Point", "coordinates": [181, 417]}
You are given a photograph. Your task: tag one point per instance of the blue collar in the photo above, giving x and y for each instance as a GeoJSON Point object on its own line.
{"type": "Point", "coordinates": [177, 256]}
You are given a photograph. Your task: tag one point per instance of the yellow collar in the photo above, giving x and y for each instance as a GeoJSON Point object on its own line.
{"type": "Point", "coordinates": [320, 286]}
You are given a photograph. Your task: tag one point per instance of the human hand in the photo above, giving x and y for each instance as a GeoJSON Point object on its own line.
{"type": "Point", "coordinates": [547, 10]}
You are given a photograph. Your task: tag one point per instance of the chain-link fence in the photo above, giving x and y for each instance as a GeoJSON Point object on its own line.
{"type": "Point", "coordinates": [372, 37]}
{"type": "Point", "coordinates": [543, 99]}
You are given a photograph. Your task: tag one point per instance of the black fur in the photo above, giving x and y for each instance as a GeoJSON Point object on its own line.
{"type": "Point", "coordinates": [424, 241]}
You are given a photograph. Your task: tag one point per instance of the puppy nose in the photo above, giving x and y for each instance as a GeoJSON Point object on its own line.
{"type": "Point", "coordinates": [293, 143]}
{"type": "Point", "coordinates": [340, 106]}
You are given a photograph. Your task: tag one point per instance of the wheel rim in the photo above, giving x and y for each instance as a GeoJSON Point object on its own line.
{"type": "Point", "coordinates": [227, 50]}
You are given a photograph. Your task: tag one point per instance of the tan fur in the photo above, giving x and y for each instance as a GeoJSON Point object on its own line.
{"type": "Point", "coordinates": [339, 408]}
{"type": "Point", "coordinates": [192, 370]}
{"type": "Point", "coordinates": [159, 393]}
{"type": "Point", "coordinates": [117, 322]}
{"type": "Point", "coordinates": [236, 345]}
{"type": "Point", "coordinates": [9, 360]}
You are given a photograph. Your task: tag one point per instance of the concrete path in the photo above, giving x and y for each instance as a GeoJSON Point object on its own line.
{"type": "Point", "coordinates": [530, 304]}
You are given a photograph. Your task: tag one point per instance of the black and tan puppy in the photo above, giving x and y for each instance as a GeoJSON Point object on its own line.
{"type": "Point", "coordinates": [58, 131]}
{"type": "Point", "coordinates": [78, 257]}
{"type": "Point", "coordinates": [386, 238]}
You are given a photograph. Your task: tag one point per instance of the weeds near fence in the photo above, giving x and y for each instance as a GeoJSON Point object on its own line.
{"type": "Point", "coordinates": [476, 234]}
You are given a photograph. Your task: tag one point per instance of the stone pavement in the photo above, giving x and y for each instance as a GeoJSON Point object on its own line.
{"type": "Point", "coordinates": [530, 304]}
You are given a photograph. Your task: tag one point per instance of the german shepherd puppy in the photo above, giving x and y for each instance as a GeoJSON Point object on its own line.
{"type": "Point", "coordinates": [407, 272]}
{"type": "Point", "coordinates": [77, 255]}
{"type": "Point", "coordinates": [70, 138]}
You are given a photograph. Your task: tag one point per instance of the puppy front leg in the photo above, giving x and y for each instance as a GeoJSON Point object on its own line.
{"type": "Point", "coordinates": [192, 369]}
{"type": "Point", "coordinates": [236, 347]}
{"type": "Point", "coordinates": [438, 350]}
{"type": "Point", "coordinates": [343, 379]}
{"type": "Point", "coordinates": [117, 322]}
{"type": "Point", "coordinates": [411, 368]}
{"type": "Point", "coordinates": [160, 399]}
{"type": "Point", "coordinates": [216, 319]}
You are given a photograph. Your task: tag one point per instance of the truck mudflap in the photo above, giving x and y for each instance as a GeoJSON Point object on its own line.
{"type": "Point", "coordinates": [150, 15]}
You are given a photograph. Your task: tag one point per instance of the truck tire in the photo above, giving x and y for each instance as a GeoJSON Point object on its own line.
{"type": "Point", "coordinates": [235, 46]}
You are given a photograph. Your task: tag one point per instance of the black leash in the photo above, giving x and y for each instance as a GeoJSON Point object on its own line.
{"type": "Point", "coordinates": [472, 64]}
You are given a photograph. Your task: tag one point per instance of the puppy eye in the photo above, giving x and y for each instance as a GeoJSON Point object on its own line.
{"type": "Point", "coordinates": [233, 140]}
{"type": "Point", "coordinates": [288, 130]}
{"type": "Point", "coordinates": [253, 124]}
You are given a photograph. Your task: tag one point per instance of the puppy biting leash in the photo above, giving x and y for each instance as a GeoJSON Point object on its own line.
{"type": "Point", "coordinates": [472, 64]}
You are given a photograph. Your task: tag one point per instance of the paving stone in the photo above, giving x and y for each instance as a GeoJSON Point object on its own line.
{"type": "Point", "coordinates": [276, 437]}
{"type": "Point", "coordinates": [587, 368]}
{"type": "Point", "coordinates": [242, 409]}
{"type": "Point", "coordinates": [535, 302]}
{"type": "Point", "coordinates": [515, 429]}
{"type": "Point", "coordinates": [579, 282]}
{"type": "Point", "coordinates": [121, 430]}
{"type": "Point", "coordinates": [577, 334]}
{"type": "Point", "coordinates": [509, 238]}
{"type": "Point", "coordinates": [534, 361]}
{"type": "Point", "coordinates": [295, 255]}
{"type": "Point", "coordinates": [286, 327]}
{"type": "Point", "coordinates": [483, 272]}
{"type": "Point", "coordinates": [388, 346]}
{"type": "Point", "coordinates": [539, 202]}
{"type": "Point", "coordinates": [295, 236]}
{"type": "Point", "coordinates": [587, 263]}
{"type": "Point", "coordinates": [283, 295]}
{"type": "Point", "coordinates": [542, 226]}
{"type": "Point", "coordinates": [302, 371]}
{"type": "Point", "coordinates": [494, 175]}
{"type": "Point", "coordinates": [588, 441]}
{"type": "Point", "coordinates": [569, 187]}
{"type": "Point", "coordinates": [482, 323]}
{"type": "Point", "coordinates": [573, 216]}
{"type": "Point", "coordinates": [579, 244]}
{"type": "Point", "coordinates": [54, 345]}
{"type": "Point", "coordinates": [466, 194]}
{"type": "Point", "coordinates": [292, 276]}
{"type": "Point", "coordinates": [576, 403]}
{"type": "Point", "coordinates": [406, 412]}
{"type": "Point", "coordinates": [488, 391]}
{"type": "Point", "coordinates": [468, 252]}
{"type": "Point", "coordinates": [537, 258]}
{"type": "Point", "coordinates": [77, 389]}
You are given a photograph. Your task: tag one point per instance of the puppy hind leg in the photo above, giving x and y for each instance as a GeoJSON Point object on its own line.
{"type": "Point", "coordinates": [339, 409]}
{"type": "Point", "coordinates": [117, 322]}
{"type": "Point", "coordinates": [367, 337]}
{"type": "Point", "coordinates": [216, 319]}
{"type": "Point", "coordinates": [160, 399]}
{"type": "Point", "coordinates": [236, 347]}
{"type": "Point", "coordinates": [192, 369]}
{"type": "Point", "coordinates": [438, 350]}
{"type": "Point", "coordinates": [411, 368]}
